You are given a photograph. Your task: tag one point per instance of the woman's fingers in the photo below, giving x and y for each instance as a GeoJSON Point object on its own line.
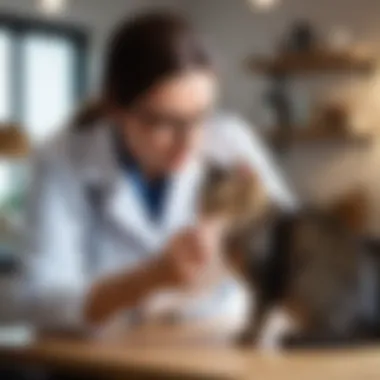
{"type": "Point", "coordinates": [197, 246]}
{"type": "Point", "coordinates": [187, 256]}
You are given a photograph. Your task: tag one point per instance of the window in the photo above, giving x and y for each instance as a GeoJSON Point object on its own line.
{"type": "Point", "coordinates": [42, 74]}
{"type": "Point", "coordinates": [5, 69]}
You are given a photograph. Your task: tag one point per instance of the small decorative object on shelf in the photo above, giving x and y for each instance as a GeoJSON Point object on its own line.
{"type": "Point", "coordinates": [313, 134]}
{"type": "Point", "coordinates": [279, 102]}
{"type": "Point", "coordinates": [302, 38]}
{"type": "Point", "coordinates": [318, 62]}
{"type": "Point", "coordinates": [332, 118]}
{"type": "Point", "coordinates": [13, 142]}
{"type": "Point", "coordinates": [302, 53]}
{"type": "Point", "coordinates": [14, 147]}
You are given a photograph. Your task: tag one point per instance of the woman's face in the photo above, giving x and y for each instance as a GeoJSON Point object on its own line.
{"type": "Point", "coordinates": [165, 127]}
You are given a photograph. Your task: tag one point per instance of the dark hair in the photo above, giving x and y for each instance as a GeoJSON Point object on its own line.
{"type": "Point", "coordinates": [142, 52]}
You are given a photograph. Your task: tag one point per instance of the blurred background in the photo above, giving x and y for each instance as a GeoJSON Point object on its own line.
{"type": "Point", "coordinates": [304, 73]}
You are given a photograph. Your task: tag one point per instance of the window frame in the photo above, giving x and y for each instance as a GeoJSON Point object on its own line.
{"type": "Point", "coordinates": [19, 27]}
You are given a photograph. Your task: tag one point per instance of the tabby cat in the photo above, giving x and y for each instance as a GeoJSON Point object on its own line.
{"type": "Point", "coordinates": [313, 280]}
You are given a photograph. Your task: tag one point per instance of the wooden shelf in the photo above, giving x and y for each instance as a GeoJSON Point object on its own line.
{"type": "Point", "coordinates": [314, 135]}
{"type": "Point", "coordinates": [13, 142]}
{"type": "Point", "coordinates": [312, 62]}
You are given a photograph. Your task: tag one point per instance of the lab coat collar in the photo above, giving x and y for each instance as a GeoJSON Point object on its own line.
{"type": "Point", "coordinates": [123, 205]}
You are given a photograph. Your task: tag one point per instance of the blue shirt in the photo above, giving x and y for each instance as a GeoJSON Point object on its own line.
{"type": "Point", "coordinates": [152, 192]}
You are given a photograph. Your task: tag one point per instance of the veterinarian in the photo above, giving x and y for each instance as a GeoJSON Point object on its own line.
{"type": "Point", "coordinates": [112, 218]}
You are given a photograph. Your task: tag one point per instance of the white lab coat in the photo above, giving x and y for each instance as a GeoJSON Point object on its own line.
{"type": "Point", "coordinates": [60, 249]}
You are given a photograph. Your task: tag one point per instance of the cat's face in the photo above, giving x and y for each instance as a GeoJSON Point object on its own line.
{"type": "Point", "coordinates": [235, 194]}
{"type": "Point", "coordinates": [230, 199]}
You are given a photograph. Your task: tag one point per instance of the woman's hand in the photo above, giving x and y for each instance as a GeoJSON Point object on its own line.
{"type": "Point", "coordinates": [185, 259]}
{"type": "Point", "coordinates": [180, 265]}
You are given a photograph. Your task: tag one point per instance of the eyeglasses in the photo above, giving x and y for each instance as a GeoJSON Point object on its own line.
{"type": "Point", "coordinates": [161, 120]}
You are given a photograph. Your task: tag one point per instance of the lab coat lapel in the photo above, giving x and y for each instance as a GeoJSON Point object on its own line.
{"type": "Point", "coordinates": [181, 205]}
{"type": "Point", "coordinates": [98, 167]}
{"type": "Point", "coordinates": [125, 206]}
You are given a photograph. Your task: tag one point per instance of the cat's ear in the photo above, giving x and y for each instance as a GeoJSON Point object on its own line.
{"type": "Point", "coordinates": [351, 210]}
{"type": "Point", "coordinates": [213, 169]}
{"type": "Point", "coordinates": [253, 195]}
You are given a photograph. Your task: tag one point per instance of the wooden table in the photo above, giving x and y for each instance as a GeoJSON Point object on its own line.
{"type": "Point", "coordinates": [179, 353]}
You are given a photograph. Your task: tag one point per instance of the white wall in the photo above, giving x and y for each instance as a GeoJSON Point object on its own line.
{"type": "Point", "coordinates": [236, 32]}
{"type": "Point", "coordinates": [318, 172]}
